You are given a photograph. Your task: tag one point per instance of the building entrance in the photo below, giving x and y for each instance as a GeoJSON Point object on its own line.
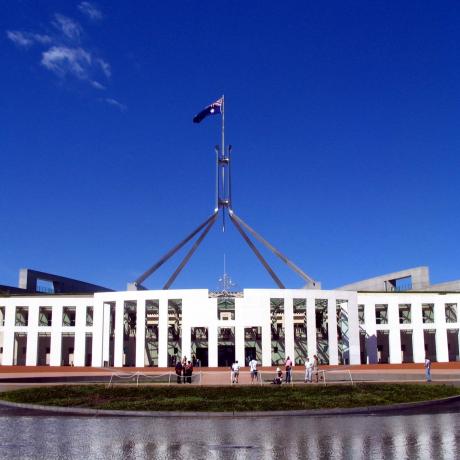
{"type": "Point", "coordinates": [226, 355]}
{"type": "Point", "coordinates": [202, 356]}
{"type": "Point", "coordinates": [452, 344]}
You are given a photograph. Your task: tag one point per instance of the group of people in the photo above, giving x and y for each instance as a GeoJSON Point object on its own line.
{"type": "Point", "coordinates": [184, 370]}
{"type": "Point", "coordinates": [311, 368]}
{"type": "Point", "coordinates": [235, 368]}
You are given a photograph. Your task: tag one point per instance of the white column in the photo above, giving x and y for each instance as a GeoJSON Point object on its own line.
{"type": "Point", "coordinates": [239, 345]}
{"type": "Point", "coordinates": [289, 328]}
{"type": "Point", "coordinates": [140, 333]}
{"type": "Point", "coordinates": [32, 336]}
{"type": "Point", "coordinates": [395, 346]}
{"type": "Point", "coordinates": [442, 349]}
{"type": "Point", "coordinates": [266, 334]}
{"type": "Point", "coordinates": [311, 327]}
{"type": "Point", "coordinates": [98, 332]}
{"type": "Point", "coordinates": [107, 308]}
{"type": "Point", "coordinates": [80, 335]}
{"type": "Point", "coordinates": [8, 335]}
{"type": "Point", "coordinates": [163, 333]}
{"type": "Point", "coordinates": [332, 331]}
{"type": "Point", "coordinates": [186, 340]}
{"type": "Point", "coordinates": [395, 334]}
{"type": "Point", "coordinates": [418, 345]}
{"type": "Point", "coordinates": [371, 333]}
{"type": "Point", "coordinates": [212, 345]}
{"type": "Point", "coordinates": [353, 331]}
{"type": "Point", "coordinates": [56, 336]}
{"type": "Point", "coordinates": [418, 339]}
{"type": "Point", "coordinates": [118, 345]}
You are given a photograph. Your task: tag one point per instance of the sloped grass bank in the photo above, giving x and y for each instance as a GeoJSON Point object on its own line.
{"type": "Point", "coordinates": [228, 399]}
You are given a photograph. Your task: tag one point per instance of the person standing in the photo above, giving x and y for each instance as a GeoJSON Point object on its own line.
{"type": "Point", "coordinates": [316, 367]}
{"type": "Point", "coordinates": [308, 370]}
{"type": "Point", "coordinates": [235, 372]}
{"type": "Point", "coordinates": [188, 371]}
{"type": "Point", "coordinates": [178, 369]}
{"type": "Point", "coordinates": [288, 369]}
{"type": "Point", "coordinates": [427, 369]}
{"type": "Point", "coordinates": [253, 369]}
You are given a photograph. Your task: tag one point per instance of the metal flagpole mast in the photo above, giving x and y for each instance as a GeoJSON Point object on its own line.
{"type": "Point", "coordinates": [222, 153]}
{"type": "Point", "coordinates": [217, 178]}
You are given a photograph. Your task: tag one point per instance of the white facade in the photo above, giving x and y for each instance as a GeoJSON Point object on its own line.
{"type": "Point", "coordinates": [342, 327]}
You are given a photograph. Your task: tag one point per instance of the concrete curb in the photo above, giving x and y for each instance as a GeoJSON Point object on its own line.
{"type": "Point", "coordinates": [309, 412]}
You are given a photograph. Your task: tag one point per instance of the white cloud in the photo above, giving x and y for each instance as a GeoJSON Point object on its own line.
{"type": "Point", "coordinates": [90, 10]}
{"type": "Point", "coordinates": [115, 103]}
{"type": "Point", "coordinates": [63, 53]}
{"type": "Point", "coordinates": [63, 61]}
{"type": "Point", "coordinates": [70, 28]}
{"type": "Point", "coordinates": [27, 39]}
{"type": "Point", "coordinates": [42, 39]}
{"type": "Point", "coordinates": [105, 66]}
{"type": "Point", "coordinates": [19, 38]}
{"type": "Point", "coordinates": [97, 85]}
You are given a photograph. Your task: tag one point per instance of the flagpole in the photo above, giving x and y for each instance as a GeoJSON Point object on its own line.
{"type": "Point", "coordinates": [217, 177]}
{"type": "Point", "coordinates": [223, 157]}
{"type": "Point", "coordinates": [223, 126]}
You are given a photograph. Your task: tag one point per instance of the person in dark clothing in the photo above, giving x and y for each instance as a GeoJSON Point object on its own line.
{"type": "Point", "coordinates": [179, 371]}
{"type": "Point", "coordinates": [278, 377]}
{"type": "Point", "coordinates": [188, 372]}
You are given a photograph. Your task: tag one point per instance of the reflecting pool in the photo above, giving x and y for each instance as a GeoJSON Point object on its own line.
{"type": "Point", "coordinates": [435, 435]}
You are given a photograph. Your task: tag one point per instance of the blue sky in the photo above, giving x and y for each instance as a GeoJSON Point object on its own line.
{"type": "Point", "coordinates": [343, 118]}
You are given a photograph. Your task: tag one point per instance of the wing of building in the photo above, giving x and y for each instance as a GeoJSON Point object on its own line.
{"type": "Point", "coordinates": [374, 321]}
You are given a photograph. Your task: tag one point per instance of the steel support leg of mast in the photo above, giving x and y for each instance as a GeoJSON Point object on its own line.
{"type": "Point", "coordinates": [190, 253]}
{"type": "Point", "coordinates": [275, 251]}
{"type": "Point", "coordinates": [256, 252]}
{"type": "Point", "coordinates": [172, 251]}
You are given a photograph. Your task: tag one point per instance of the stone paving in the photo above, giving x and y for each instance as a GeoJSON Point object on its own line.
{"type": "Point", "coordinates": [15, 376]}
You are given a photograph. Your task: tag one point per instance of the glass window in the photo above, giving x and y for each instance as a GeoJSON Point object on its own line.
{"type": "Point", "coordinates": [45, 316]}
{"type": "Point", "coordinates": [89, 316]}
{"type": "Point", "coordinates": [361, 314]}
{"type": "Point", "coordinates": [428, 312]}
{"type": "Point", "coordinates": [404, 313]}
{"type": "Point", "coordinates": [381, 314]}
{"type": "Point", "coordinates": [68, 316]}
{"type": "Point", "coordinates": [451, 312]}
{"type": "Point", "coordinates": [22, 316]}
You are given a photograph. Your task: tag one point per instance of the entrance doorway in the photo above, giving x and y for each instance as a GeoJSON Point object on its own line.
{"type": "Point", "coordinates": [452, 344]}
{"type": "Point", "coordinates": [202, 356]}
{"type": "Point", "coordinates": [226, 355]}
{"type": "Point", "coordinates": [20, 349]}
{"type": "Point", "coordinates": [67, 349]}
{"type": "Point", "coordinates": [225, 346]}
{"type": "Point", "coordinates": [88, 349]}
{"type": "Point", "coordinates": [383, 347]}
{"type": "Point", "coordinates": [430, 344]}
{"type": "Point", "coordinates": [407, 354]}
{"type": "Point", "coordinates": [43, 349]}
{"type": "Point", "coordinates": [199, 342]}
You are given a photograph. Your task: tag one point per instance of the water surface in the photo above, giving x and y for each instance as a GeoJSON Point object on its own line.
{"type": "Point", "coordinates": [415, 436]}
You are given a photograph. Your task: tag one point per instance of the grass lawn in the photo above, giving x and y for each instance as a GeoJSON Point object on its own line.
{"type": "Point", "coordinates": [228, 399]}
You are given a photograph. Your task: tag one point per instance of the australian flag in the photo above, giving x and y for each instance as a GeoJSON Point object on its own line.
{"type": "Point", "coordinates": [212, 109]}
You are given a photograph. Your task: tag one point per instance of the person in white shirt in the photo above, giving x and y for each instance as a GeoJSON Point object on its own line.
{"type": "Point", "coordinates": [427, 369]}
{"type": "Point", "coordinates": [235, 372]}
{"type": "Point", "coordinates": [253, 369]}
{"type": "Point", "coordinates": [308, 370]}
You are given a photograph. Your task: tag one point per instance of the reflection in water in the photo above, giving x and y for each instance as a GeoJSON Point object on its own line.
{"type": "Point", "coordinates": [356, 437]}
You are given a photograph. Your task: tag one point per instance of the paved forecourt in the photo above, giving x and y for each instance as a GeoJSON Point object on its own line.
{"type": "Point", "coordinates": [14, 376]}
